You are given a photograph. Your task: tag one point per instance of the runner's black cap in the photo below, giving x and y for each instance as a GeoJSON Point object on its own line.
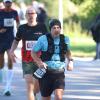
{"type": "Point", "coordinates": [54, 22]}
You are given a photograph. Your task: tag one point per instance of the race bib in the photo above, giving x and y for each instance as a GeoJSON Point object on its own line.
{"type": "Point", "coordinates": [8, 22]}
{"type": "Point", "coordinates": [30, 44]}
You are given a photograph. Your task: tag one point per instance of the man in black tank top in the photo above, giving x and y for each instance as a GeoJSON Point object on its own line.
{"type": "Point", "coordinates": [55, 49]}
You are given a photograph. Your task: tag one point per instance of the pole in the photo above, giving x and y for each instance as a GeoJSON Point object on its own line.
{"type": "Point", "coordinates": [61, 14]}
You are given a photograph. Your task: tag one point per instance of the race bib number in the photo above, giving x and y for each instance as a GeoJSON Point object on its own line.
{"type": "Point", "coordinates": [30, 44]}
{"type": "Point", "coordinates": [8, 22]}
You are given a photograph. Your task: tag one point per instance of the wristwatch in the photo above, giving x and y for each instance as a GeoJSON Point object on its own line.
{"type": "Point", "coordinates": [70, 59]}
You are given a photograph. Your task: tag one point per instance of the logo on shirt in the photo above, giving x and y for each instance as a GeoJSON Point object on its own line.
{"type": "Point", "coordinates": [38, 33]}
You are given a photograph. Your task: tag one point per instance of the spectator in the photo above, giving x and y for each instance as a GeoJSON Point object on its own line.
{"type": "Point", "coordinates": [41, 12]}
{"type": "Point", "coordinates": [35, 5]}
{"type": "Point", "coordinates": [22, 13]}
{"type": "Point", "coordinates": [95, 29]}
{"type": "Point", "coordinates": [42, 15]}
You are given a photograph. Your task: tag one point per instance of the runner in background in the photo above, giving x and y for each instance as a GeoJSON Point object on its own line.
{"type": "Point", "coordinates": [7, 17]}
{"type": "Point", "coordinates": [28, 33]}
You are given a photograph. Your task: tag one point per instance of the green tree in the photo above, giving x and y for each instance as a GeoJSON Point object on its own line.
{"type": "Point", "coordinates": [77, 1]}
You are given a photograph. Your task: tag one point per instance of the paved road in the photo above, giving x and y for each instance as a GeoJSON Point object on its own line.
{"type": "Point", "coordinates": [83, 83]}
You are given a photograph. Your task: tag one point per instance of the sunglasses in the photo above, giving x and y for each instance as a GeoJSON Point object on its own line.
{"type": "Point", "coordinates": [31, 13]}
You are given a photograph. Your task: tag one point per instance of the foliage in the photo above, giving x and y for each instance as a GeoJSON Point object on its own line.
{"type": "Point", "coordinates": [77, 1]}
{"type": "Point", "coordinates": [80, 17]}
{"type": "Point", "coordinates": [81, 45]}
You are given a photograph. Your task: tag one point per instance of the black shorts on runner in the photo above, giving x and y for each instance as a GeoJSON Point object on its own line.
{"type": "Point", "coordinates": [50, 82]}
{"type": "Point", "coordinates": [5, 42]}
{"type": "Point", "coordinates": [5, 46]}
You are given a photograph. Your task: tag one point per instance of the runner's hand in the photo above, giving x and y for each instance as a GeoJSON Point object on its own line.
{"type": "Point", "coordinates": [42, 65]}
{"type": "Point", "coordinates": [13, 57]}
{"type": "Point", "coordinates": [70, 66]}
{"type": "Point", "coordinates": [2, 30]}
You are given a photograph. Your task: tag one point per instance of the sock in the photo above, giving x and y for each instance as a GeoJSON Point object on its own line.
{"type": "Point", "coordinates": [35, 96]}
{"type": "Point", "coordinates": [1, 75]}
{"type": "Point", "coordinates": [9, 76]}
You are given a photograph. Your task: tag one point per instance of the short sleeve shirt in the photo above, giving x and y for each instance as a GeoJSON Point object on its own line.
{"type": "Point", "coordinates": [42, 45]}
